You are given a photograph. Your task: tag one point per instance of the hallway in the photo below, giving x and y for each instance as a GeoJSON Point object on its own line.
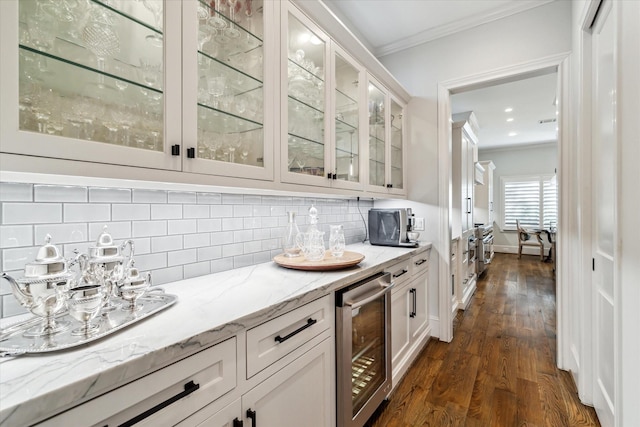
{"type": "Point", "coordinates": [500, 368]}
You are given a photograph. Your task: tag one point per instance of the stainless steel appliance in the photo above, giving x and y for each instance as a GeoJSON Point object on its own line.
{"type": "Point", "coordinates": [363, 348]}
{"type": "Point", "coordinates": [484, 235]}
{"type": "Point", "coordinates": [389, 227]}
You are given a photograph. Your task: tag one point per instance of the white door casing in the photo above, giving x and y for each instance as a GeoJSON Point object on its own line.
{"type": "Point", "coordinates": [604, 185]}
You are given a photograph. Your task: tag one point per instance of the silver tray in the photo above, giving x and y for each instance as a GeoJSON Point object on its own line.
{"type": "Point", "coordinates": [14, 343]}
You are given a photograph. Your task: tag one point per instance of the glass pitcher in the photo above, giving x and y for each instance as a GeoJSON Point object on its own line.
{"type": "Point", "coordinates": [336, 240]}
{"type": "Point", "coordinates": [290, 245]}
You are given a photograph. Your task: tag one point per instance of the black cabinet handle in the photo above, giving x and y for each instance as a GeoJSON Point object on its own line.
{"type": "Point", "coordinates": [423, 260]}
{"type": "Point", "coordinates": [389, 185]}
{"type": "Point", "coordinates": [395, 276]}
{"type": "Point", "coordinates": [414, 308]}
{"type": "Point", "coordinates": [189, 388]}
{"type": "Point", "coordinates": [175, 150]}
{"type": "Point", "coordinates": [237, 423]}
{"type": "Point", "coordinates": [252, 416]}
{"type": "Point", "coordinates": [310, 322]}
{"type": "Point", "coordinates": [329, 175]}
{"type": "Point", "coordinates": [191, 153]}
{"type": "Point", "coordinates": [334, 176]}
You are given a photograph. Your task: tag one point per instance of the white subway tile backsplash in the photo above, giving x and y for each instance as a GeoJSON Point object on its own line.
{"type": "Point", "coordinates": [232, 199]}
{"type": "Point", "coordinates": [118, 230]}
{"type": "Point", "coordinates": [166, 211]}
{"type": "Point", "coordinates": [222, 237]}
{"type": "Point", "coordinates": [16, 259]}
{"type": "Point", "coordinates": [197, 240]}
{"type": "Point", "coordinates": [230, 224]}
{"type": "Point", "coordinates": [181, 197]}
{"type": "Point", "coordinates": [16, 192]}
{"type": "Point", "coordinates": [213, 224]}
{"type": "Point", "coordinates": [223, 264]}
{"type": "Point", "coordinates": [242, 261]}
{"type": "Point", "coordinates": [240, 236]}
{"type": "Point", "coordinates": [149, 228]}
{"type": "Point", "coordinates": [232, 249]}
{"type": "Point", "coordinates": [208, 253]}
{"type": "Point", "coordinates": [242, 210]}
{"type": "Point", "coordinates": [183, 257]}
{"type": "Point", "coordinates": [195, 211]}
{"type": "Point", "coordinates": [166, 243]}
{"type": "Point", "coordinates": [252, 246]}
{"type": "Point", "coordinates": [130, 212]}
{"type": "Point", "coordinates": [197, 269]}
{"type": "Point", "coordinates": [250, 223]}
{"type": "Point", "coordinates": [86, 212]}
{"type": "Point", "coordinates": [149, 196]}
{"type": "Point", "coordinates": [12, 236]}
{"type": "Point", "coordinates": [151, 261]}
{"type": "Point", "coordinates": [167, 275]}
{"type": "Point", "coordinates": [177, 234]}
{"type": "Point", "coordinates": [109, 195]}
{"type": "Point", "coordinates": [59, 193]}
{"type": "Point", "coordinates": [11, 307]}
{"type": "Point", "coordinates": [62, 233]}
{"type": "Point", "coordinates": [209, 198]}
{"type": "Point", "coordinates": [221, 211]}
{"type": "Point", "coordinates": [182, 226]}
{"type": "Point", "coordinates": [31, 213]}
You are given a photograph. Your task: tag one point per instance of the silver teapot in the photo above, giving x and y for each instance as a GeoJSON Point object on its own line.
{"type": "Point", "coordinates": [43, 288]}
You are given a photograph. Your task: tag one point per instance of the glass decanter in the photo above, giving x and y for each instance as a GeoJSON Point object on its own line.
{"type": "Point", "coordinates": [289, 238]}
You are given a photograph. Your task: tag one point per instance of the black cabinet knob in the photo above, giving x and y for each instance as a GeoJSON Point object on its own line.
{"type": "Point", "coordinates": [175, 150]}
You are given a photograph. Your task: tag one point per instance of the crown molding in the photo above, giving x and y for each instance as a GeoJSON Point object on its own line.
{"type": "Point", "coordinates": [457, 26]}
{"type": "Point", "coordinates": [518, 146]}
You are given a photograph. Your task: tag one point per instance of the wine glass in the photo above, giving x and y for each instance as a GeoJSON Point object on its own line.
{"type": "Point", "coordinates": [100, 38]}
{"type": "Point", "coordinates": [215, 20]}
{"type": "Point", "coordinates": [301, 161]}
{"type": "Point", "coordinates": [155, 7]}
{"type": "Point", "coordinates": [216, 86]}
{"type": "Point", "coordinates": [231, 31]}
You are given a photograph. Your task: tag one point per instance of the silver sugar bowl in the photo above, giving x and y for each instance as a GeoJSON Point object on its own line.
{"type": "Point", "coordinates": [43, 288]}
{"type": "Point", "coordinates": [133, 286]}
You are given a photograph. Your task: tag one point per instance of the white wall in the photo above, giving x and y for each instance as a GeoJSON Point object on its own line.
{"type": "Point", "coordinates": [539, 159]}
{"type": "Point", "coordinates": [534, 34]}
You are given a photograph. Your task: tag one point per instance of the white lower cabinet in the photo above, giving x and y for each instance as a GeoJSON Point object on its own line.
{"type": "Point", "coordinates": [164, 397]}
{"type": "Point", "coordinates": [409, 317]}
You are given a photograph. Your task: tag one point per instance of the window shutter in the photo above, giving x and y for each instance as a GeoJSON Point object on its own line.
{"type": "Point", "coordinates": [530, 199]}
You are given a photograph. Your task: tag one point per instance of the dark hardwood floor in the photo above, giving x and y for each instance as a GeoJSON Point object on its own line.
{"type": "Point", "coordinates": [500, 368]}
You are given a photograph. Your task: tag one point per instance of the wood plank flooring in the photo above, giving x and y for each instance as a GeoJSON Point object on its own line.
{"type": "Point", "coordinates": [500, 369]}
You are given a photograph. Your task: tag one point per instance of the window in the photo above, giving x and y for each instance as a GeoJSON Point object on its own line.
{"type": "Point", "coordinates": [531, 199]}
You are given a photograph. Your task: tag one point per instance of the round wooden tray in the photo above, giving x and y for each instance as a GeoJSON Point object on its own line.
{"type": "Point", "coordinates": [329, 262]}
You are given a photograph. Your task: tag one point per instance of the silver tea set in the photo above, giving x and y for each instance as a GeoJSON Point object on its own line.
{"type": "Point", "coordinates": [99, 282]}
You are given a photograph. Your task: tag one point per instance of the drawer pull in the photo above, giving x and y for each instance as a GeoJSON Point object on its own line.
{"type": "Point", "coordinates": [395, 276]}
{"type": "Point", "coordinates": [422, 261]}
{"type": "Point", "coordinates": [414, 309]}
{"type": "Point", "coordinates": [252, 416]}
{"type": "Point", "coordinates": [279, 339]}
{"type": "Point", "coordinates": [189, 388]}
{"type": "Point", "coordinates": [237, 423]}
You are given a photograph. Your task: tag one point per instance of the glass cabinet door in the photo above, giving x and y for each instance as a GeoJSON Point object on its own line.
{"type": "Point", "coordinates": [228, 75]}
{"type": "Point", "coordinates": [90, 80]}
{"type": "Point", "coordinates": [304, 92]}
{"type": "Point", "coordinates": [348, 113]}
{"type": "Point", "coordinates": [377, 135]}
{"type": "Point", "coordinates": [396, 156]}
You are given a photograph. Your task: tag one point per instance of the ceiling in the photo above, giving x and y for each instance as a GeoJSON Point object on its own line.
{"type": "Point", "coordinates": [407, 23]}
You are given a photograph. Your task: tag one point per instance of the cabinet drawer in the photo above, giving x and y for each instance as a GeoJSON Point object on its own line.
{"type": "Point", "coordinates": [167, 396]}
{"type": "Point", "coordinates": [420, 262]}
{"type": "Point", "coordinates": [276, 338]}
{"type": "Point", "coordinates": [400, 272]}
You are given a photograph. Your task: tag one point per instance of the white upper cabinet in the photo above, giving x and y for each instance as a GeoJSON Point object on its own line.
{"type": "Point", "coordinates": [228, 87]}
{"type": "Point", "coordinates": [89, 81]}
{"type": "Point", "coordinates": [386, 141]}
{"type": "Point", "coordinates": [249, 89]}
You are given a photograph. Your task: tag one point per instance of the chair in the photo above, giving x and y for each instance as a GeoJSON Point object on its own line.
{"type": "Point", "coordinates": [524, 239]}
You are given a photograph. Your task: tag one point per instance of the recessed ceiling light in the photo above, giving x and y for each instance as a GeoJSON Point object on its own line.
{"type": "Point", "coordinates": [512, 133]}
{"type": "Point", "coordinates": [508, 110]}
{"type": "Point", "coordinates": [510, 119]}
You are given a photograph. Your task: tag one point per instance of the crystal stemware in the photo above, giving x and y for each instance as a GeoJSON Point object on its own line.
{"type": "Point", "coordinates": [215, 20]}
{"type": "Point", "coordinates": [155, 7]}
{"type": "Point", "coordinates": [231, 31]}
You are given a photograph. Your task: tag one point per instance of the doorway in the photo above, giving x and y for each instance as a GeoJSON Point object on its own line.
{"type": "Point", "coordinates": [446, 89]}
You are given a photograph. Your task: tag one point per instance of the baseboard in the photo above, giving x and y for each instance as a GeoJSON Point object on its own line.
{"type": "Point", "coordinates": [410, 357]}
{"type": "Point", "coordinates": [434, 326]}
{"type": "Point", "coordinates": [527, 250]}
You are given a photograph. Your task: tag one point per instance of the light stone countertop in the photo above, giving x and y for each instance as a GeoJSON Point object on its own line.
{"type": "Point", "coordinates": [209, 309]}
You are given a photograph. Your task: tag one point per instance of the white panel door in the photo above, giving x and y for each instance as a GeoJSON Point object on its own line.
{"type": "Point", "coordinates": [604, 201]}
